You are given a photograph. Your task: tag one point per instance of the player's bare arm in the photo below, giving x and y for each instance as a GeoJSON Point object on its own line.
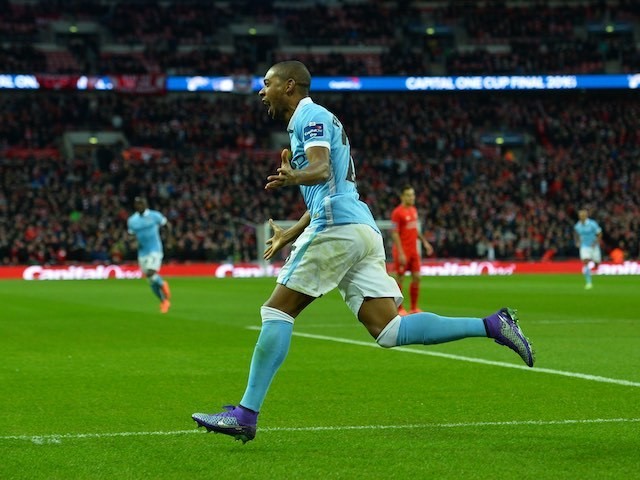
{"type": "Point", "coordinates": [282, 237]}
{"type": "Point", "coordinates": [402, 258]}
{"type": "Point", "coordinates": [317, 171]}
{"type": "Point", "coordinates": [425, 243]}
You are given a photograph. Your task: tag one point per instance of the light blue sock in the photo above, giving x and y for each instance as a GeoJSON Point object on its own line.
{"type": "Point", "coordinates": [587, 273]}
{"type": "Point", "coordinates": [155, 288]}
{"type": "Point", "coordinates": [428, 328]}
{"type": "Point", "coordinates": [156, 285]}
{"type": "Point", "coordinates": [271, 350]}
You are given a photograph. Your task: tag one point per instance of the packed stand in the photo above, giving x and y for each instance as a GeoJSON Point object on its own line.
{"type": "Point", "coordinates": [544, 42]}
{"type": "Point", "coordinates": [366, 23]}
{"type": "Point", "coordinates": [527, 58]}
{"type": "Point", "coordinates": [194, 38]}
{"type": "Point", "coordinates": [211, 155]}
{"type": "Point", "coordinates": [631, 59]}
{"type": "Point", "coordinates": [18, 23]}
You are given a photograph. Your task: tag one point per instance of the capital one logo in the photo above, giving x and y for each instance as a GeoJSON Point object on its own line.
{"type": "Point", "coordinates": [99, 272]}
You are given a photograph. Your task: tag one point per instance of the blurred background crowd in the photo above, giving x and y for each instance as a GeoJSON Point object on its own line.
{"type": "Point", "coordinates": [202, 158]}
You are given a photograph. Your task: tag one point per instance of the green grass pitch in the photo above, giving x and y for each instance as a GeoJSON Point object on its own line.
{"type": "Point", "coordinates": [97, 384]}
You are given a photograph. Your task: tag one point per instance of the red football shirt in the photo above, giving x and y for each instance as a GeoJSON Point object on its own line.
{"type": "Point", "coordinates": [405, 220]}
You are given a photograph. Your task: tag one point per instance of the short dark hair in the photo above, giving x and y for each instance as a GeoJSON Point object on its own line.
{"type": "Point", "coordinates": [296, 70]}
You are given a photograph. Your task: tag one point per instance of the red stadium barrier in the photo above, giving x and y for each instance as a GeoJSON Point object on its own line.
{"type": "Point", "coordinates": [222, 270]}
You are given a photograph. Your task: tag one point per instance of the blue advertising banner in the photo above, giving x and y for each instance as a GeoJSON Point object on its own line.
{"type": "Point", "coordinates": [248, 84]}
{"type": "Point", "coordinates": [405, 84]}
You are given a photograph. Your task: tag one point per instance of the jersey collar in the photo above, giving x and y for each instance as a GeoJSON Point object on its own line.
{"type": "Point", "coordinates": [301, 103]}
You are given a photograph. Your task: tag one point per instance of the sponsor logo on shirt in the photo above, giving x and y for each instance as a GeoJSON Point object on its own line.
{"type": "Point", "coordinates": [313, 130]}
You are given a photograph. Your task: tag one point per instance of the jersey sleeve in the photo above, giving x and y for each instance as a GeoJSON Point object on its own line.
{"type": "Point", "coordinates": [316, 129]}
{"type": "Point", "coordinates": [159, 218]}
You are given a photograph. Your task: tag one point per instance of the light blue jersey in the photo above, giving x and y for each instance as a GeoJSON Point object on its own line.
{"type": "Point", "coordinates": [336, 201]}
{"type": "Point", "coordinates": [588, 232]}
{"type": "Point", "coordinates": [146, 228]}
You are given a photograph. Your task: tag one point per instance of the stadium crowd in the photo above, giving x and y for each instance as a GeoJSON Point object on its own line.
{"type": "Point", "coordinates": [210, 155]}
{"type": "Point", "coordinates": [149, 37]}
{"type": "Point", "coordinates": [202, 159]}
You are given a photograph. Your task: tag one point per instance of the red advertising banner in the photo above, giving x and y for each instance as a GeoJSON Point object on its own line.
{"type": "Point", "coordinates": [139, 84]}
{"type": "Point", "coordinates": [24, 153]}
{"type": "Point", "coordinates": [222, 270]}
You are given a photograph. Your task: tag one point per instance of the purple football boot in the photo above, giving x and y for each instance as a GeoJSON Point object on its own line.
{"type": "Point", "coordinates": [503, 327]}
{"type": "Point", "coordinates": [237, 422]}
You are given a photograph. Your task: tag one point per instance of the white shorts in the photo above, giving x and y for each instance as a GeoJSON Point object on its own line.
{"type": "Point", "coordinates": [350, 257]}
{"type": "Point", "coordinates": [153, 261]}
{"type": "Point", "coordinates": [591, 253]}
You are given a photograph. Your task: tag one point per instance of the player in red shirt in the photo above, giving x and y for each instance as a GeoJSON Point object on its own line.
{"type": "Point", "coordinates": [406, 257]}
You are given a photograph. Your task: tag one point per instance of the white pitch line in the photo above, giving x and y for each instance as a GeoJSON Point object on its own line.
{"type": "Point", "coordinates": [461, 424]}
{"type": "Point", "coordinates": [582, 376]}
{"type": "Point", "coordinates": [54, 439]}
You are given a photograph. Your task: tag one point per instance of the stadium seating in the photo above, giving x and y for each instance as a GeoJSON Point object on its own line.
{"type": "Point", "coordinates": [429, 37]}
{"type": "Point", "coordinates": [202, 158]}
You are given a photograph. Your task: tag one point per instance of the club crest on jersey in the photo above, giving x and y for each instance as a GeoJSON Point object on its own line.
{"type": "Point", "coordinates": [313, 130]}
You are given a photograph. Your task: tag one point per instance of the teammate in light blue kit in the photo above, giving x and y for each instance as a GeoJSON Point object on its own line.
{"type": "Point", "coordinates": [588, 234]}
{"type": "Point", "coordinates": [336, 244]}
{"type": "Point", "coordinates": [145, 225]}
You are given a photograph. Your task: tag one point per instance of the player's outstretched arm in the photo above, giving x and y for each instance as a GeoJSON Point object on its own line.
{"type": "Point", "coordinates": [281, 237]}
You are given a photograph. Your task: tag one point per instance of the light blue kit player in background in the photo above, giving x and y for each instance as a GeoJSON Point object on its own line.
{"type": "Point", "coordinates": [336, 245]}
{"type": "Point", "coordinates": [588, 234]}
{"type": "Point", "coordinates": [145, 225]}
